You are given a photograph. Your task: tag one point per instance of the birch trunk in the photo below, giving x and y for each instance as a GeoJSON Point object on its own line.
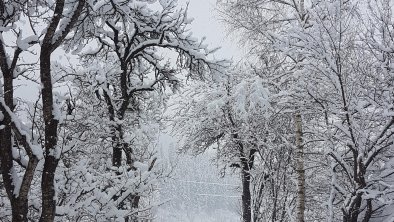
{"type": "Point", "coordinates": [299, 147]}
{"type": "Point", "coordinates": [300, 169]}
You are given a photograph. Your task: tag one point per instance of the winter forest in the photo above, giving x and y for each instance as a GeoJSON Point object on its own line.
{"type": "Point", "coordinates": [124, 110]}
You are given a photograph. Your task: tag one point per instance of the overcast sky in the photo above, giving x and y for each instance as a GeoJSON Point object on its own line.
{"type": "Point", "coordinates": [207, 23]}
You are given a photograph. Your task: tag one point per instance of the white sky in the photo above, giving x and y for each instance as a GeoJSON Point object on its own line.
{"type": "Point", "coordinates": [207, 23]}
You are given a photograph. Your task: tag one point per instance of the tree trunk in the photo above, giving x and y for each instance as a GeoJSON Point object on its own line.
{"type": "Point", "coordinates": [118, 136]}
{"type": "Point", "coordinates": [48, 189]}
{"type": "Point", "coordinates": [300, 169]}
{"type": "Point", "coordinates": [117, 146]}
{"type": "Point", "coordinates": [6, 142]}
{"type": "Point", "coordinates": [19, 210]}
{"type": "Point", "coordinates": [51, 125]}
{"type": "Point", "coordinates": [19, 203]}
{"type": "Point", "coordinates": [246, 196]}
{"type": "Point", "coordinates": [49, 44]}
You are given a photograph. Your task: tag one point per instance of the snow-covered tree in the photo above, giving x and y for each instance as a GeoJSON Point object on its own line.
{"type": "Point", "coordinates": [228, 117]}
{"type": "Point", "coordinates": [132, 35]}
{"type": "Point", "coordinates": [130, 39]}
{"type": "Point", "coordinates": [339, 51]}
{"type": "Point", "coordinates": [267, 25]}
{"type": "Point", "coordinates": [19, 158]}
{"type": "Point", "coordinates": [17, 188]}
{"type": "Point", "coordinates": [126, 73]}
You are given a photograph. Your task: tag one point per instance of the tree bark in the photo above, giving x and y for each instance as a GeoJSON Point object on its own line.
{"type": "Point", "coordinates": [246, 196]}
{"type": "Point", "coordinates": [6, 143]}
{"type": "Point", "coordinates": [19, 205]}
{"type": "Point", "coordinates": [300, 169]}
{"type": "Point", "coordinates": [18, 199]}
{"type": "Point", "coordinates": [49, 44]}
{"type": "Point", "coordinates": [117, 146]}
{"type": "Point", "coordinates": [51, 125]}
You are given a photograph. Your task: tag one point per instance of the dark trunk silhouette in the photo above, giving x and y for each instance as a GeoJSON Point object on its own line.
{"type": "Point", "coordinates": [51, 123]}
{"type": "Point", "coordinates": [246, 196]}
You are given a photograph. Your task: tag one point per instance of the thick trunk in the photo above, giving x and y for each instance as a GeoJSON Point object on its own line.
{"type": "Point", "coordinates": [51, 125]}
{"type": "Point", "coordinates": [19, 210]}
{"type": "Point", "coordinates": [20, 206]}
{"type": "Point", "coordinates": [116, 131]}
{"type": "Point", "coordinates": [117, 147]}
{"type": "Point", "coordinates": [118, 136]}
{"type": "Point", "coordinates": [300, 169]}
{"type": "Point", "coordinates": [246, 196]}
{"type": "Point", "coordinates": [355, 211]}
{"type": "Point", "coordinates": [6, 142]}
{"type": "Point", "coordinates": [117, 155]}
{"type": "Point", "coordinates": [48, 189]}
{"type": "Point", "coordinates": [6, 132]}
